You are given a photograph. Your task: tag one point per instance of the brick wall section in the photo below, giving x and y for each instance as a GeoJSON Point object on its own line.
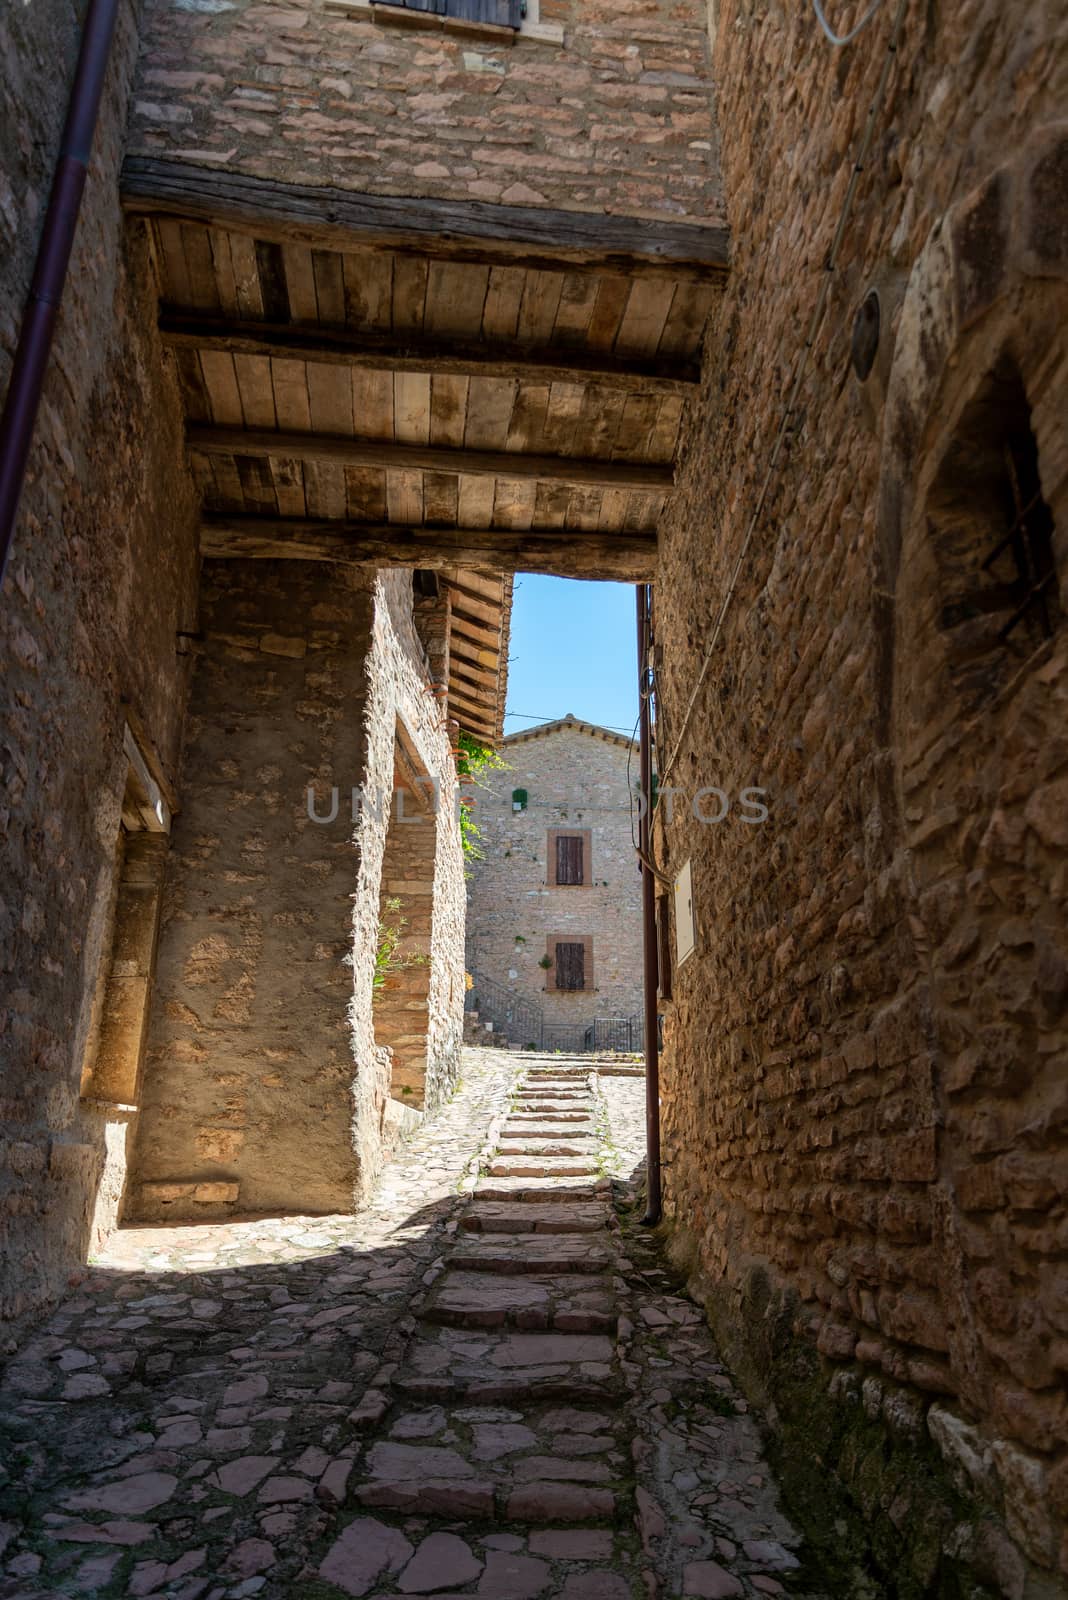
{"type": "Point", "coordinates": [264, 1086]}
{"type": "Point", "coordinates": [619, 119]}
{"type": "Point", "coordinates": [865, 1064]}
{"type": "Point", "coordinates": [573, 780]}
{"type": "Point", "coordinates": [102, 579]}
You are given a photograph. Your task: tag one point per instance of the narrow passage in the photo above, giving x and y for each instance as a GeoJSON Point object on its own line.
{"type": "Point", "coordinates": [484, 1385]}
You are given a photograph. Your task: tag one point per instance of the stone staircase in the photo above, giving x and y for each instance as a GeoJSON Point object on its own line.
{"type": "Point", "coordinates": [520, 1449]}
{"type": "Point", "coordinates": [507, 1399]}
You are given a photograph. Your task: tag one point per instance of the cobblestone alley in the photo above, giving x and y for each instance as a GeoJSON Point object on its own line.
{"type": "Point", "coordinates": [482, 1384]}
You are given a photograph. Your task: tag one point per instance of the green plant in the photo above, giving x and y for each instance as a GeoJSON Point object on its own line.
{"type": "Point", "coordinates": [391, 926]}
{"type": "Point", "coordinates": [472, 760]}
{"type": "Point", "coordinates": [546, 962]}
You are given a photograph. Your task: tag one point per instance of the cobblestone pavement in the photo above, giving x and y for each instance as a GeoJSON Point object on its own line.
{"type": "Point", "coordinates": [495, 1394]}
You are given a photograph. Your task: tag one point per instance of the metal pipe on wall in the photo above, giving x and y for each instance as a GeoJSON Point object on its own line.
{"type": "Point", "coordinates": [654, 1197]}
{"type": "Point", "coordinates": [23, 400]}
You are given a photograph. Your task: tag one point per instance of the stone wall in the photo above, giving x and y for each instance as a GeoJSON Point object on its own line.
{"type": "Point", "coordinates": [100, 592]}
{"type": "Point", "coordinates": [617, 119]}
{"type": "Point", "coordinates": [265, 1088]}
{"type": "Point", "coordinates": [865, 1059]}
{"type": "Point", "coordinates": [575, 781]}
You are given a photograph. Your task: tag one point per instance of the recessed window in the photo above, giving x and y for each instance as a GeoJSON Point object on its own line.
{"type": "Point", "coordinates": [569, 959]}
{"type": "Point", "coordinates": [570, 966]}
{"type": "Point", "coordinates": [478, 13]}
{"type": "Point", "coordinates": [992, 535]}
{"type": "Point", "coordinates": [570, 858]}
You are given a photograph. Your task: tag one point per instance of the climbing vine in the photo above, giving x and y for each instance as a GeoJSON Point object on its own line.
{"type": "Point", "coordinates": [472, 760]}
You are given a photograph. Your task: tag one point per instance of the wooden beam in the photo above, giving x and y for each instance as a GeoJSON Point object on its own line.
{"type": "Point", "coordinates": [381, 352]}
{"type": "Point", "coordinates": [473, 701]}
{"type": "Point", "coordinates": [458, 230]}
{"type": "Point", "coordinates": [620, 558]}
{"type": "Point", "coordinates": [472, 657]}
{"type": "Point", "coordinates": [407, 763]}
{"type": "Point", "coordinates": [210, 440]}
{"type": "Point", "coordinates": [464, 604]}
{"type": "Point", "coordinates": [479, 638]}
{"type": "Point", "coordinates": [474, 677]}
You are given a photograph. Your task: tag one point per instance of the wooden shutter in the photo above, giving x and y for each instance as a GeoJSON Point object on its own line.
{"type": "Point", "coordinates": [438, 8]}
{"type": "Point", "coordinates": [501, 13]}
{"type": "Point", "coordinates": [569, 859]}
{"type": "Point", "coordinates": [570, 966]}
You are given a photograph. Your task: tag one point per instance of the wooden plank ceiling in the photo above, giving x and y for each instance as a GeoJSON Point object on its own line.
{"type": "Point", "coordinates": [414, 406]}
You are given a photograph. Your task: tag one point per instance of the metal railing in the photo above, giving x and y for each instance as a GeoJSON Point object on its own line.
{"type": "Point", "coordinates": [523, 1023]}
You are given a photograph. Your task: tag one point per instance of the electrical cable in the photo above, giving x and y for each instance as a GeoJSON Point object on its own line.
{"type": "Point", "coordinates": [795, 388]}
{"type": "Point", "coordinates": [528, 716]}
{"type": "Point", "coordinates": [840, 39]}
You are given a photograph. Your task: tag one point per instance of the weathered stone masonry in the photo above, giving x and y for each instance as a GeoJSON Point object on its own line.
{"type": "Point", "coordinates": [865, 1068]}
{"type": "Point", "coordinates": [266, 1086]}
{"type": "Point", "coordinates": [99, 596]}
{"type": "Point", "coordinates": [618, 120]}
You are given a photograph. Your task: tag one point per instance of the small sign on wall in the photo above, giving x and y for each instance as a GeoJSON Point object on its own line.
{"type": "Point", "coordinates": [684, 926]}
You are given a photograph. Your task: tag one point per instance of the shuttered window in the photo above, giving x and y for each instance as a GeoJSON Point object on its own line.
{"type": "Point", "coordinates": [569, 858]}
{"type": "Point", "coordinates": [570, 966]}
{"type": "Point", "coordinates": [498, 13]}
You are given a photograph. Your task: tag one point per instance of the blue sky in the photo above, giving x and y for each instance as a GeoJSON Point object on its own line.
{"type": "Point", "coordinates": [572, 649]}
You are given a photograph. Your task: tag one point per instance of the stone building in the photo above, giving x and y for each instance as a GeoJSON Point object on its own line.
{"type": "Point", "coordinates": [554, 903]}
{"type": "Point", "coordinates": [867, 1053]}
{"type": "Point", "coordinates": [315, 393]}
{"type": "Point", "coordinates": [366, 290]}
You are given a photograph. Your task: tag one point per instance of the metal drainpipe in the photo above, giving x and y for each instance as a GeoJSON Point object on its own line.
{"type": "Point", "coordinates": [50, 269]}
{"type": "Point", "coordinates": [654, 1201]}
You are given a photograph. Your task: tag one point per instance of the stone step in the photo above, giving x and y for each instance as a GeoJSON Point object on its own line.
{"type": "Point", "coordinates": [561, 1095]}
{"type": "Point", "coordinates": [453, 1557]}
{"type": "Point", "coordinates": [534, 1166]}
{"type": "Point", "coordinates": [554, 1080]}
{"type": "Point", "coordinates": [558, 1119]}
{"type": "Point", "coordinates": [493, 1367]}
{"type": "Point", "coordinates": [433, 1480]}
{"type": "Point", "coordinates": [521, 1253]}
{"type": "Point", "coordinates": [550, 1191]}
{"type": "Point", "coordinates": [546, 1144]}
{"type": "Point", "coordinates": [565, 1304]}
{"type": "Point", "coordinates": [538, 1130]}
{"type": "Point", "coordinates": [484, 1216]}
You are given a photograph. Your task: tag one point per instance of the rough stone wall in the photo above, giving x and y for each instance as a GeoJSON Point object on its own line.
{"type": "Point", "coordinates": [617, 119]}
{"type": "Point", "coordinates": [407, 904]}
{"type": "Point", "coordinates": [865, 1060]}
{"type": "Point", "coordinates": [264, 1088]}
{"type": "Point", "coordinates": [401, 689]}
{"type": "Point", "coordinates": [101, 585]}
{"type": "Point", "coordinates": [573, 781]}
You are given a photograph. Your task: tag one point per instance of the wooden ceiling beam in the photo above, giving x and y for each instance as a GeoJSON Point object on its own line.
{"type": "Point", "coordinates": [472, 705]}
{"type": "Point", "coordinates": [465, 604]}
{"type": "Point", "coordinates": [480, 638]}
{"type": "Point", "coordinates": [339, 450]}
{"type": "Point", "coordinates": [383, 352]}
{"type": "Point", "coordinates": [620, 558]}
{"type": "Point", "coordinates": [328, 218]}
{"type": "Point", "coordinates": [478, 656]}
{"type": "Point", "coordinates": [475, 677]}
